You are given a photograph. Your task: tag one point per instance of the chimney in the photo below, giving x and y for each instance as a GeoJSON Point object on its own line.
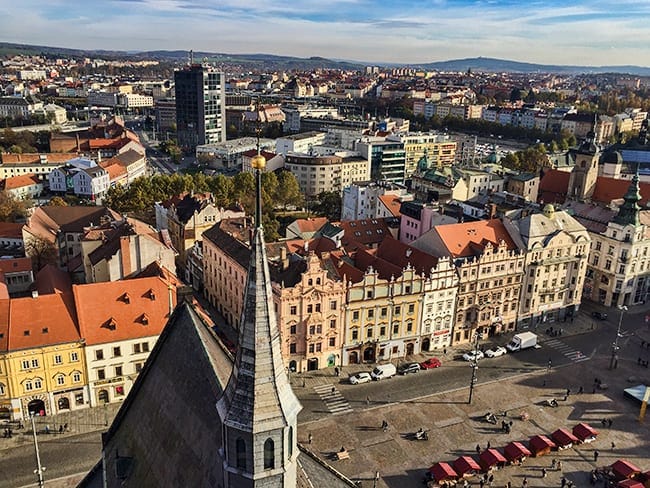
{"type": "Point", "coordinates": [125, 256]}
{"type": "Point", "coordinates": [283, 258]}
{"type": "Point", "coordinates": [34, 293]}
{"type": "Point", "coordinates": [493, 210]}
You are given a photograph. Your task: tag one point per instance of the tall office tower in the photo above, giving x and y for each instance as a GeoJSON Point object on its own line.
{"type": "Point", "coordinates": [200, 106]}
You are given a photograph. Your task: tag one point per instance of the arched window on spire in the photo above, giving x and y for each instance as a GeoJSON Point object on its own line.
{"type": "Point", "coordinates": [269, 454]}
{"type": "Point", "coordinates": [240, 449]}
{"type": "Point", "coordinates": [290, 442]}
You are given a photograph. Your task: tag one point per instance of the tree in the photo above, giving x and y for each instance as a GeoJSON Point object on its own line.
{"type": "Point", "coordinates": [244, 191]}
{"type": "Point", "coordinates": [57, 202]}
{"type": "Point", "coordinates": [553, 147]}
{"type": "Point", "coordinates": [328, 205]}
{"type": "Point", "coordinates": [288, 190]}
{"type": "Point", "coordinates": [11, 208]}
{"type": "Point", "coordinates": [515, 95]}
{"type": "Point", "coordinates": [41, 251]}
{"type": "Point", "coordinates": [222, 189]}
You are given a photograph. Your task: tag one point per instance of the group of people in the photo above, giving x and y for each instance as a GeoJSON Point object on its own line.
{"type": "Point", "coordinates": [606, 422]}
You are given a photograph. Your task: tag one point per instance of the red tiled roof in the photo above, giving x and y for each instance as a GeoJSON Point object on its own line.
{"type": "Point", "coordinates": [608, 189]}
{"type": "Point", "coordinates": [392, 203]}
{"type": "Point", "coordinates": [33, 158]}
{"type": "Point", "coordinates": [563, 437]}
{"type": "Point", "coordinates": [553, 186]}
{"type": "Point", "coordinates": [51, 279]}
{"type": "Point", "coordinates": [20, 181]}
{"type": "Point", "coordinates": [15, 265]}
{"type": "Point", "coordinates": [10, 230]}
{"type": "Point", "coordinates": [400, 254]}
{"type": "Point", "coordinates": [462, 240]}
{"type": "Point", "coordinates": [121, 310]}
{"type": "Point", "coordinates": [312, 224]}
{"type": "Point", "coordinates": [365, 231]}
{"type": "Point", "coordinates": [115, 170]}
{"type": "Point", "coordinates": [42, 320]}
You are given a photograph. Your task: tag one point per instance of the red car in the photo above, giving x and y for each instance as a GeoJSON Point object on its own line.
{"type": "Point", "coordinates": [431, 363]}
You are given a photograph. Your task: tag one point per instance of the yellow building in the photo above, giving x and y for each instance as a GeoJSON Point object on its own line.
{"type": "Point", "coordinates": [439, 149]}
{"type": "Point", "coordinates": [44, 357]}
{"type": "Point", "coordinates": [381, 317]}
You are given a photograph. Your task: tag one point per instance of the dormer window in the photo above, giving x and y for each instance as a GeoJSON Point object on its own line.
{"type": "Point", "coordinates": [126, 298]}
{"type": "Point", "coordinates": [144, 320]}
{"type": "Point", "coordinates": [45, 330]}
{"type": "Point", "coordinates": [26, 333]}
{"type": "Point", "coordinates": [152, 294]}
{"type": "Point", "coordinates": [110, 324]}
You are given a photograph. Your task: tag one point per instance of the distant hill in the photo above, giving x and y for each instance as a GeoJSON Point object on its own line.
{"type": "Point", "coordinates": [252, 60]}
{"type": "Point", "coordinates": [504, 65]}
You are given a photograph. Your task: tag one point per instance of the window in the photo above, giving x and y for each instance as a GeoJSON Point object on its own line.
{"type": "Point", "coordinates": [58, 359]}
{"type": "Point", "coordinates": [292, 348]}
{"type": "Point", "coordinates": [369, 294]}
{"type": "Point", "coordinates": [34, 363]}
{"type": "Point", "coordinates": [292, 329]}
{"type": "Point", "coordinates": [355, 315]}
{"type": "Point", "coordinates": [101, 374]}
{"type": "Point", "coordinates": [145, 347]}
{"type": "Point", "coordinates": [60, 380]}
{"type": "Point", "coordinates": [395, 328]}
{"type": "Point", "coordinates": [310, 308]}
{"type": "Point", "coordinates": [290, 441]}
{"type": "Point", "coordinates": [293, 310]}
{"type": "Point", "coordinates": [38, 384]}
{"type": "Point", "coordinates": [118, 370]}
{"type": "Point", "coordinates": [332, 341]}
{"type": "Point", "coordinates": [411, 308]}
{"type": "Point", "coordinates": [25, 364]}
{"type": "Point", "coordinates": [99, 354]}
{"type": "Point", "coordinates": [2, 389]}
{"type": "Point", "coordinates": [269, 454]}
{"type": "Point", "coordinates": [355, 335]}
{"type": "Point", "coordinates": [136, 349]}
{"type": "Point", "coordinates": [28, 386]}
{"type": "Point", "coordinates": [318, 307]}
{"type": "Point", "coordinates": [333, 324]}
{"type": "Point", "coordinates": [117, 352]}
{"type": "Point", "coordinates": [371, 313]}
{"type": "Point", "coordinates": [74, 357]}
{"type": "Point", "coordinates": [333, 305]}
{"type": "Point", "coordinates": [76, 377]}
{"type": "Point", "coordinates": [398, 310]}
{"type": "Point", "coordinates": [138, 367]}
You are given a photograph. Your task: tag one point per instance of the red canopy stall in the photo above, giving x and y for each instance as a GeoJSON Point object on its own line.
{"type": "Point", "coordinates": [630, 484]}
{"type": "Point", "coordinates": [491, 458]}
{"type": "Point", "coordinates": [466, 466]}
{"type": "Point", "coordinates": [585, 433]}
{"type": "Point", "coordinates": [516, 452]}
{"type": "Point", "coordinates": [442, 472]}
{"type": "Point", "coordinates": [564, 439]}
{"type": "Point", "coordinates": [540, 445]}
{"type": "Point", "coordinates": [624, 470]}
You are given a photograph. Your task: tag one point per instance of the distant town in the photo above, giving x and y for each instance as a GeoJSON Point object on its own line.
{"type": "Point", "coordinates": [409, 217]}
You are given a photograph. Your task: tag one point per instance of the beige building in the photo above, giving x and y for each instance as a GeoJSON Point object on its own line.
{"type": "Point", "coordinates": [438, 306]}
{"type": "Point", "coordinates": [310, 315]}
{"type": "Point", "coordinates": [440, 149]}
{"type": "Point", "coordinates": [316, 174]}
{"type": "Point", "coordinates": [490, 269]}
{"type": "Point", "coordinates": [557, 249]}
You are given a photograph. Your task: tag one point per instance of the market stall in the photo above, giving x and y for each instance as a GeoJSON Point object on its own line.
{"type": "Point", "coordinates": [466, 466]}
{"type": "Point", "coordinates": [540, 445]}
{"type": "Point", "coordinates": [516, 452]}
{"type": "Point", "coordinates": [443, 474]}
{"type": "Point", "coordinates": [492, 459]}
{"type": "Point", "coordinates": [564, 439]}
{"type": "Point", "coordinates": [585, 433]}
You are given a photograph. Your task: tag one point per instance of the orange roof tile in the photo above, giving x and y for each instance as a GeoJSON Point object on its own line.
{"type": "Point", "coordinates": [311, 225]}
{"type": "Point", "coordinates": [4, 324]}
{"type": "Point", "coordinates": [41, 321]}
{"type": "Point", "coordinates": [608, 189]}
{"type": "Point", "coordinates": [392, 203]}
{"type": "Point", "coordinates": [51, 279]}
{"type": "Point", "coordinates": [462, 240]}
{"type": "Point", "coordinates": [122, 310]}
{"type": "Point", "coordinates": [33, 158]}
{"type": "Point", "coordinates": [21, 181]}
{"type": "Point", "coordinates": [115, 171]}
{"type": "Point", "coordinates": [10, 230]}
{"type": "Point", "coordinates": [15, 265]}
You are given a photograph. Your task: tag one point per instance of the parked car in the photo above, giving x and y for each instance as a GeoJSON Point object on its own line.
{"type": "Point", "coordinates": [599, 315]}
{"type": "Point", "coordinates": [383, 371]}
{"type": "Point", "coordinates": [408, 368]}
{"type": "Point", "coordinates": [430, 363]}
{"type": "Point", "coordinates": [362, 377]}
{"type": "Point", "coordinates": [473, 355]}
{"type": "Point", "coordinates": [495, 352]}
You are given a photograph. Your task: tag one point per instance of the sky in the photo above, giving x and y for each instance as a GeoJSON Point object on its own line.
{"type": "Point", "coordinates": [586, 32]}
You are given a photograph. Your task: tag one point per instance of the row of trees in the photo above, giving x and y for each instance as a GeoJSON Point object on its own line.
{"type": "Point", "coordinates": [24, 141]}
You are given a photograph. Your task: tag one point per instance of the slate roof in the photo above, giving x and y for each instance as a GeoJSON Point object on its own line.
{"type": "Point", "coordinates": [228, 244]}
{"type": "Point", "coordinates": [189, 204]}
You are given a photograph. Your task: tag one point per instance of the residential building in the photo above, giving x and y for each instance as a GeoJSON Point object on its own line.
{"type": "Point", "coordinates": [309, 305]}
{"type": "Point", "coordinates": [32, 163]}
{"type": "Point", "coordinates": [91, 183]}
{"type": "Point", "coordinates": [165, 114]}
{"type": "Point", "coordinates": [120, 322]}
{"type": "Point", "coordinates": [17, 274]}
{"type": "Point", "coordinates": [557, 251]}
{"type": "Point", "coordinates": [200, 106]}
{"type": "Point", "coordinates": [490, 267]}
{"type": "Point", "coordinates": [299, 143]}
{"type": "Point", "coordinates": [19, 107]}
{"type": "Point", "coordinates": [361, 199]}
{"type": "Point", "coordinates": [438, 306]}
{"type": "Point", "coordinates": [439, 148]}
{"type": "Point", "coordinates": [387, 159]}
{"type": "Point", "coordinates": [526, 185]}
{"type": "Point", "coordinates": [190, 217]}
{"type": "Point", "coordinates": [23, 187]}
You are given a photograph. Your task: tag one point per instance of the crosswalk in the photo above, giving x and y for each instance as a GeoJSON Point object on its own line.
{"type": "Point", "coordinates": [568, 351]}
{"type": "Point", "coordinates": [334, 401]}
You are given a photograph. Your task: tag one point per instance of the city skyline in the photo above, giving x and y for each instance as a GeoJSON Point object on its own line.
{"type": "Point", "coordinates": [410, 32]}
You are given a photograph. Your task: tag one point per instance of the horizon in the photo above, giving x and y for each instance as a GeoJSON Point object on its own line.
{"type": "Point", "coordinates": [598, 33]}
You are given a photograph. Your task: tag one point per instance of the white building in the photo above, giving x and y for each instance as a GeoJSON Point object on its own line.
{"type": "Point", "coordinates": [438, 306]}
{"type": "Point", "coordinates": [299, 143]}
{"type": "Point", "coordinates": [361, 199]}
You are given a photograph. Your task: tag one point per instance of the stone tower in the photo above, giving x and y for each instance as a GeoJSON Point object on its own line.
{"type": "Point", "coordinates": [258, 409]}
{"type": "Point", "coordinates": [582, 181]}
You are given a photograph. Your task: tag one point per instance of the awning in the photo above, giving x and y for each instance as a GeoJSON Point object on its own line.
{"type": "Point", "coordinates": [466, 464]}
{"type": "Point", "coordinates": [490, 457]}
{"type": "Point", "coordinates": [515, 451]}
{"type": "Point", "coordinates": [442, 471]}
{"type": "Point", "coordinates": [540, 444]}
{"type": "Point", "coordinates": [584, 431]}
{"type": "Point", "coordinates": [630, 484]}
{"type": "Point", "coordinates": [563, 437]}
{"type": "Point", "coordinates": [625, 469]}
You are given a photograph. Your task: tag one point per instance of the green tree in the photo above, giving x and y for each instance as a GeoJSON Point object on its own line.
{"type": "Point", "coordinates": [553, 147]}
{"type": "Point", "coordinates": [328, 205]}
{"type": "Point", "coordinates": [269, 189]}
{"type": "Point", "coordinates": [12, 209]}
{"type": "Point", "coordinates": [222, 189]}
{"type": "Point", "coordinates": [244, 191]}
{"type": "Point", "coordinates": [288, 190]}
{"type": "Point", "coordinates": [57, 202]}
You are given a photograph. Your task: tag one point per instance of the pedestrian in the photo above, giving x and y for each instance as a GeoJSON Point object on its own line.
{"type": "Point", "coordinates": [488, 445]}
{"type": "Point", "coordinates": [333, 390]}
{"type": "Point", "coordinates": [509, 485]}
{"type": "Point", "coordinates": [65, 427]}
{"type": "Point", "coordinates": [569, 484]}
{"type": "Point", "coordinates": [596, 454]}
{"type": "Point", "coordinates": [559, 465]}
{"type": "Point", "coordinates": [524, 483]}
{"type": "Point", "coordinates": [303, 382]}
{"type": "Point", "coordinates": [581, 390]}
{"type": "Point", "coordinates": [548, 368]}
{"type": "Point", "coordinates": [563, 482]}
{"type": "Point", "coordinates": [478, 449]}
{"type": "Point", "coordinates": [553, 463]}
{"type": "Point", "coordinates": [491, 479]}
{"type": "Point", "coordinates": [336, 371]}
{"type": "Point", "coordinates": [310, 438]}
{"type": "Point", "coordinates": [613, 446]}
{"type": "Point", "coordinates": [47, 429]}
{"type": "Point", "coordinates": [604, 422]}
{"type": "Point", "coordinates": [481, 482]}
{"type": "Point", "coordinates": [60, 429]}
{"type": "Point", "coordinates": [543, 472]}
{"type": "Point", "coordinates": [367, 400]}
{"type": "Point", "coordinates": [609, 423]}
{"type": "Point", "coordinates": [568, 391]}
{"type": "Point", "coordinates": [444, 351]}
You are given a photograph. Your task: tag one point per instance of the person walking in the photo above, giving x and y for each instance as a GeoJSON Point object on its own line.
{"type": "Point", "coordinates": [562, 482]}
{"type": "Point", "coordinates": [524, 483]}
{"type": "Point", "coordinates": [596, 454]}
{"type": "Point", "coordinates": [553, 463]}
{"type": "Point", "coordinates": [543, 472]}
{"type": "Point", "coordinates": [310, 438]}
{"type": "Point", "coordinates": [488, 445]}
{"type": "Point", "coordinates": [550, 364]}
{"type": "Point", "coordinates": [367, 400]}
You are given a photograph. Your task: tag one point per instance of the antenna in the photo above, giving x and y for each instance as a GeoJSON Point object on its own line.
{"type": "Point", "coordinates": [191, 57]}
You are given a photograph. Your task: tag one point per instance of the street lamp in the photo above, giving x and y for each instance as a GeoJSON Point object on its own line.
{"type": "Point", "coordinates": [474, 365]}
{"type": "Point", "coordinates": [39, 469]}
{"type": "Point", "coordinates": [613, 362]}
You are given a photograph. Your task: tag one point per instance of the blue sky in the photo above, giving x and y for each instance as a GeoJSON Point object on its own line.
{"type": "Point", "coordinates": [596, 32]}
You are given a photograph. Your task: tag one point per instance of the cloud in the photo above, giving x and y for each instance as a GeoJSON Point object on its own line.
{"type": "Point", "coordinates": [407, 31]}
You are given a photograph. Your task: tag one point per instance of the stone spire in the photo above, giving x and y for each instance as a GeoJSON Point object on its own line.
{"type": "Point", "coordinates": [628, 213]}
{"type": "Point", "coordinates": [258, 408]}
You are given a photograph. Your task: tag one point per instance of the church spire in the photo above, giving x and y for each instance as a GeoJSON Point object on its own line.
{"type": "Point", "coordinates": [258, 408]}
{"type": "Point", "coordinates": [628, 213]}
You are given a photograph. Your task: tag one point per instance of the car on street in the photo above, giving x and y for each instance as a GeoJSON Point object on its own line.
{"type": "Point", "coordinates": [358, 378]}
{"type": "Point", "coordinates": [430, 363]}
{"type": "Point", "coordinates": [473, 355]}
{"type": "Point", "coordinates": [407, 368]}
{"type": "Point", "coordinates": [495, 352]}
{"type": "Point", "coordinates": [599, 315]}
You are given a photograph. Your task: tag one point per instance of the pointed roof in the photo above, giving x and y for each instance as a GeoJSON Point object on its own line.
{"type": "Point", "coordinates": [628, 213]}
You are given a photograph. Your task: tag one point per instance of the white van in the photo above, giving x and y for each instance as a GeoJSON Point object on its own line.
{"type": "Point", "coordinates": [383, 371]}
